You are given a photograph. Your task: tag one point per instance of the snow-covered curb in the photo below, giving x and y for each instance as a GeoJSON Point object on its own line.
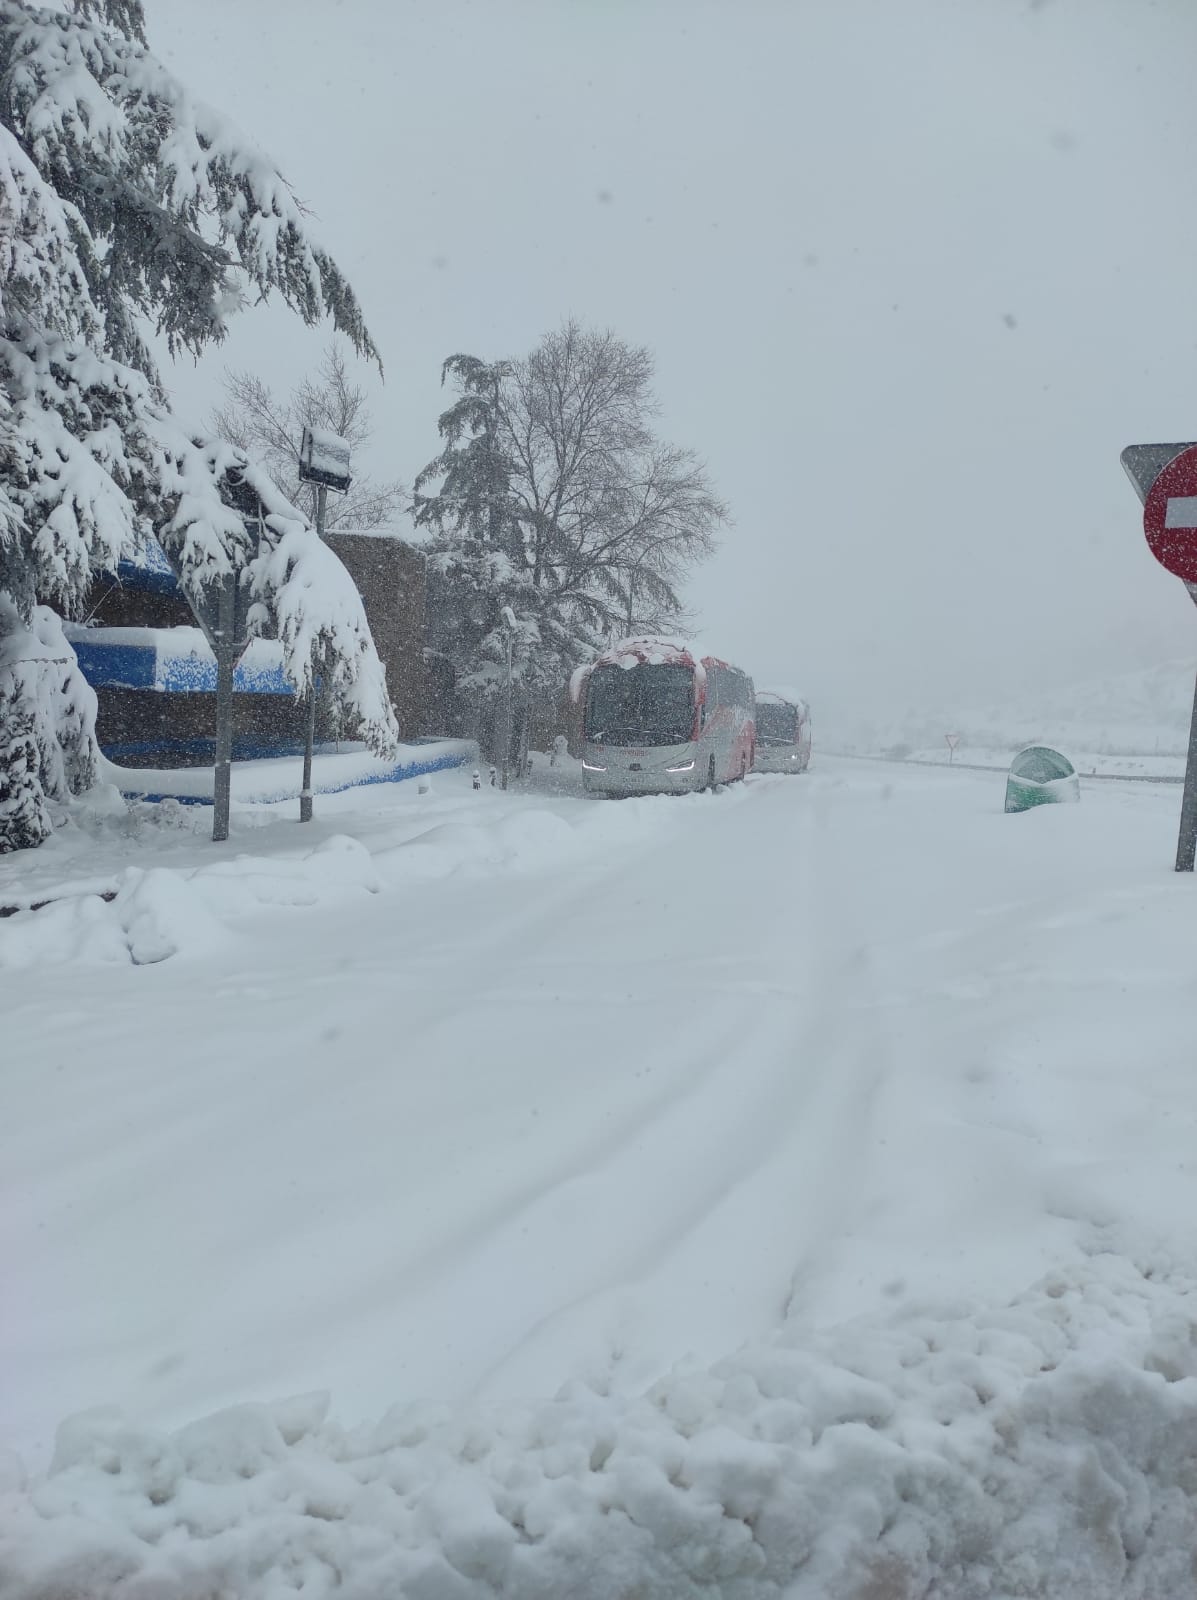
{"type": "Point", "coordinates": [1043, 1448]}
{"type": "Point", "coordinates": [267, 781]}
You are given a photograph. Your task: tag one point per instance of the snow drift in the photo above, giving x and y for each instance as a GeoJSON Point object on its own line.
{"type": "Point", "coordinates": [1039, 1449]}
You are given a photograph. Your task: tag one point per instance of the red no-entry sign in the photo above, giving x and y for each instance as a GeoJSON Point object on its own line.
{"type": "Point", "coordinates": [1165, 479]}
{"type": "Point", "coordinates": [1170, 515]}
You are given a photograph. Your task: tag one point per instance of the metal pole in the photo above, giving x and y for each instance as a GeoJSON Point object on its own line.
{"type": "Point", "coordinates": [507, 713]}
{"type": "Point", "coordinates": [222, 780]}
{"type": "Point", "coordinates": [1186, 844]}
{"type": "Point", "coordinates": [524, 738]}
{"type": "Point", "coordinates": [305, 794]}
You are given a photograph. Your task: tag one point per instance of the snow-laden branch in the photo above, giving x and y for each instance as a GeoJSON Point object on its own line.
{"type": "Point", "coordinates": [166, 194]}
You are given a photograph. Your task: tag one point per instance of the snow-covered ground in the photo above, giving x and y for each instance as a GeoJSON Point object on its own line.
{"type": "Point", "coordinates": [787, 1191]}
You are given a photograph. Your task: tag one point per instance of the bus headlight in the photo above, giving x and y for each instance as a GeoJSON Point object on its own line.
{"type": "Point", "coordinates": [688, 767]}
{"type": "Point", "coordinates": [589, 766]}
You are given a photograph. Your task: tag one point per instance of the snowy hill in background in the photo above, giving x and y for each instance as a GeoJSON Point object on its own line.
{"type": "Point", "coordinates": [1142, 713]}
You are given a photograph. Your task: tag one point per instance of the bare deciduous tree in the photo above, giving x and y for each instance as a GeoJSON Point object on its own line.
{"type": "Point", "coordinates": [555, 497]}
{"type": "Point", "coordinates": [256, 421]}
{"type": "Point", "coordinates": [614, 519]}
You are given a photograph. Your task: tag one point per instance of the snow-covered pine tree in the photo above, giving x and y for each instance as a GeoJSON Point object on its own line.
{"type": "Point", "coordinates": [126, 205]}
{"type": "Point", "coordinates": [474, 500]}
{"type": "Point", "coordinates": [478, 551]}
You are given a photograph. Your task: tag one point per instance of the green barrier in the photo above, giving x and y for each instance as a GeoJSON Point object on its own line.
{"type": "Point", "coordinates": [1040, 777]}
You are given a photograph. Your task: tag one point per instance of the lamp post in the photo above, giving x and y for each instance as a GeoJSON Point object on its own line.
{"type": "Point", "coordinates": [324, 461]}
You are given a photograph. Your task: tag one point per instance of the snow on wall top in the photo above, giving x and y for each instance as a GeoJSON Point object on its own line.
{"type": "Point", "coordinates": [172, 660]}
{"type": "Point", "coordinates": [394, 534]}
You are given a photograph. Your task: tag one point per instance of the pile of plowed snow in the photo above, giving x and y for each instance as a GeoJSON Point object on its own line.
{"type": "Point", "coordinates": [1042, 1449]}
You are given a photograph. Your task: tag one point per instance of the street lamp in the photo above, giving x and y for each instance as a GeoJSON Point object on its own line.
{"type": "Point", "coordinates": [324, 461]}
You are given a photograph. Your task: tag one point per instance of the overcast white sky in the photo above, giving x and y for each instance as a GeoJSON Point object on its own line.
{"type": "Point", "coordinates": [913, 273]}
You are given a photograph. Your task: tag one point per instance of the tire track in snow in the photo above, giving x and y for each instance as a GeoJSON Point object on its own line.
{"type": "Point", "coordinates": [453, 1266]}
{"type": "Point", "coordinates": [753, 1143]}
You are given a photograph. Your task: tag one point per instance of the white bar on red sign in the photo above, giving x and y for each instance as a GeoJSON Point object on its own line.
{"type": "Point", "coordinates": [1181, 512]}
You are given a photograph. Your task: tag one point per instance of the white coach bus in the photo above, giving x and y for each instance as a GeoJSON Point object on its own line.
{"type": "Point", "coordinates": [782, 732]}
{"type": "Point", "coordinates": [659, 719]}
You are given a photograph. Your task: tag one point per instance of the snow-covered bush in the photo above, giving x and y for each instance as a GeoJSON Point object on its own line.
{"type": "Point", "coordinates": [24, 820]}
{"type": "Point", "coordinates": [124, 203]}
{"type": "Point", "coordinates": [45, 699]}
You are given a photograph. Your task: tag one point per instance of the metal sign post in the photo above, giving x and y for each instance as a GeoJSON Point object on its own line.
{"type": "Point", "coordinates": [224, 643]}
{"type": "Point", "coordinates": [1165, 479]}
{"type": "Point", "coordinates": [222, 613]}
{"type": "Point", "coordinates": [952, 739]}
{"type": "Point", "coordinates": [309, 742]}
{"type": "Point", "coordinates": [309, 746]}
{"type": "Point", "coordinates": [1186, 843]}
{"type": "Point", "coordinates": [221, 608]}
{"type": "Point", "coordinates": [324, 461]}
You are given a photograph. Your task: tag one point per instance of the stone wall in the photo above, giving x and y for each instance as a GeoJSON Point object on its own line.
{"type": "Point", "coordinates": [389, 575]}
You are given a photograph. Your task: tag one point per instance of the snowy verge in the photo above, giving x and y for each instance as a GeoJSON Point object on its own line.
{"type": "Point", "coordinates": [147, 914]}
{"type": "Point", "coordinates": [1038, 1449]}
{"type": "Point", "coordinates": [154, 913]}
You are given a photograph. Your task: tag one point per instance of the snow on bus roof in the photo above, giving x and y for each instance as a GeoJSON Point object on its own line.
{"type": "Point", "coordinates": [649, 651]}
{"type": "Point", "coordinates": [790, 696]}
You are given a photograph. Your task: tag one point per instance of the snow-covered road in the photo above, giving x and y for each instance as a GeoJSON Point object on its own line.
{"type": "Point", "coordinates": [492, 1093]}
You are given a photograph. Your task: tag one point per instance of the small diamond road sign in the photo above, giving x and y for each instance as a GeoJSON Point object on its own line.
{"type": "Point", "coordinates": [1143, 463]}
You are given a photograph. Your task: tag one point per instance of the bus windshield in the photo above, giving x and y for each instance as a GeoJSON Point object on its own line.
{"type": "Point", "coordinates": [649, 705]}
{"type": "Point", "coordinates": [776, 723]}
